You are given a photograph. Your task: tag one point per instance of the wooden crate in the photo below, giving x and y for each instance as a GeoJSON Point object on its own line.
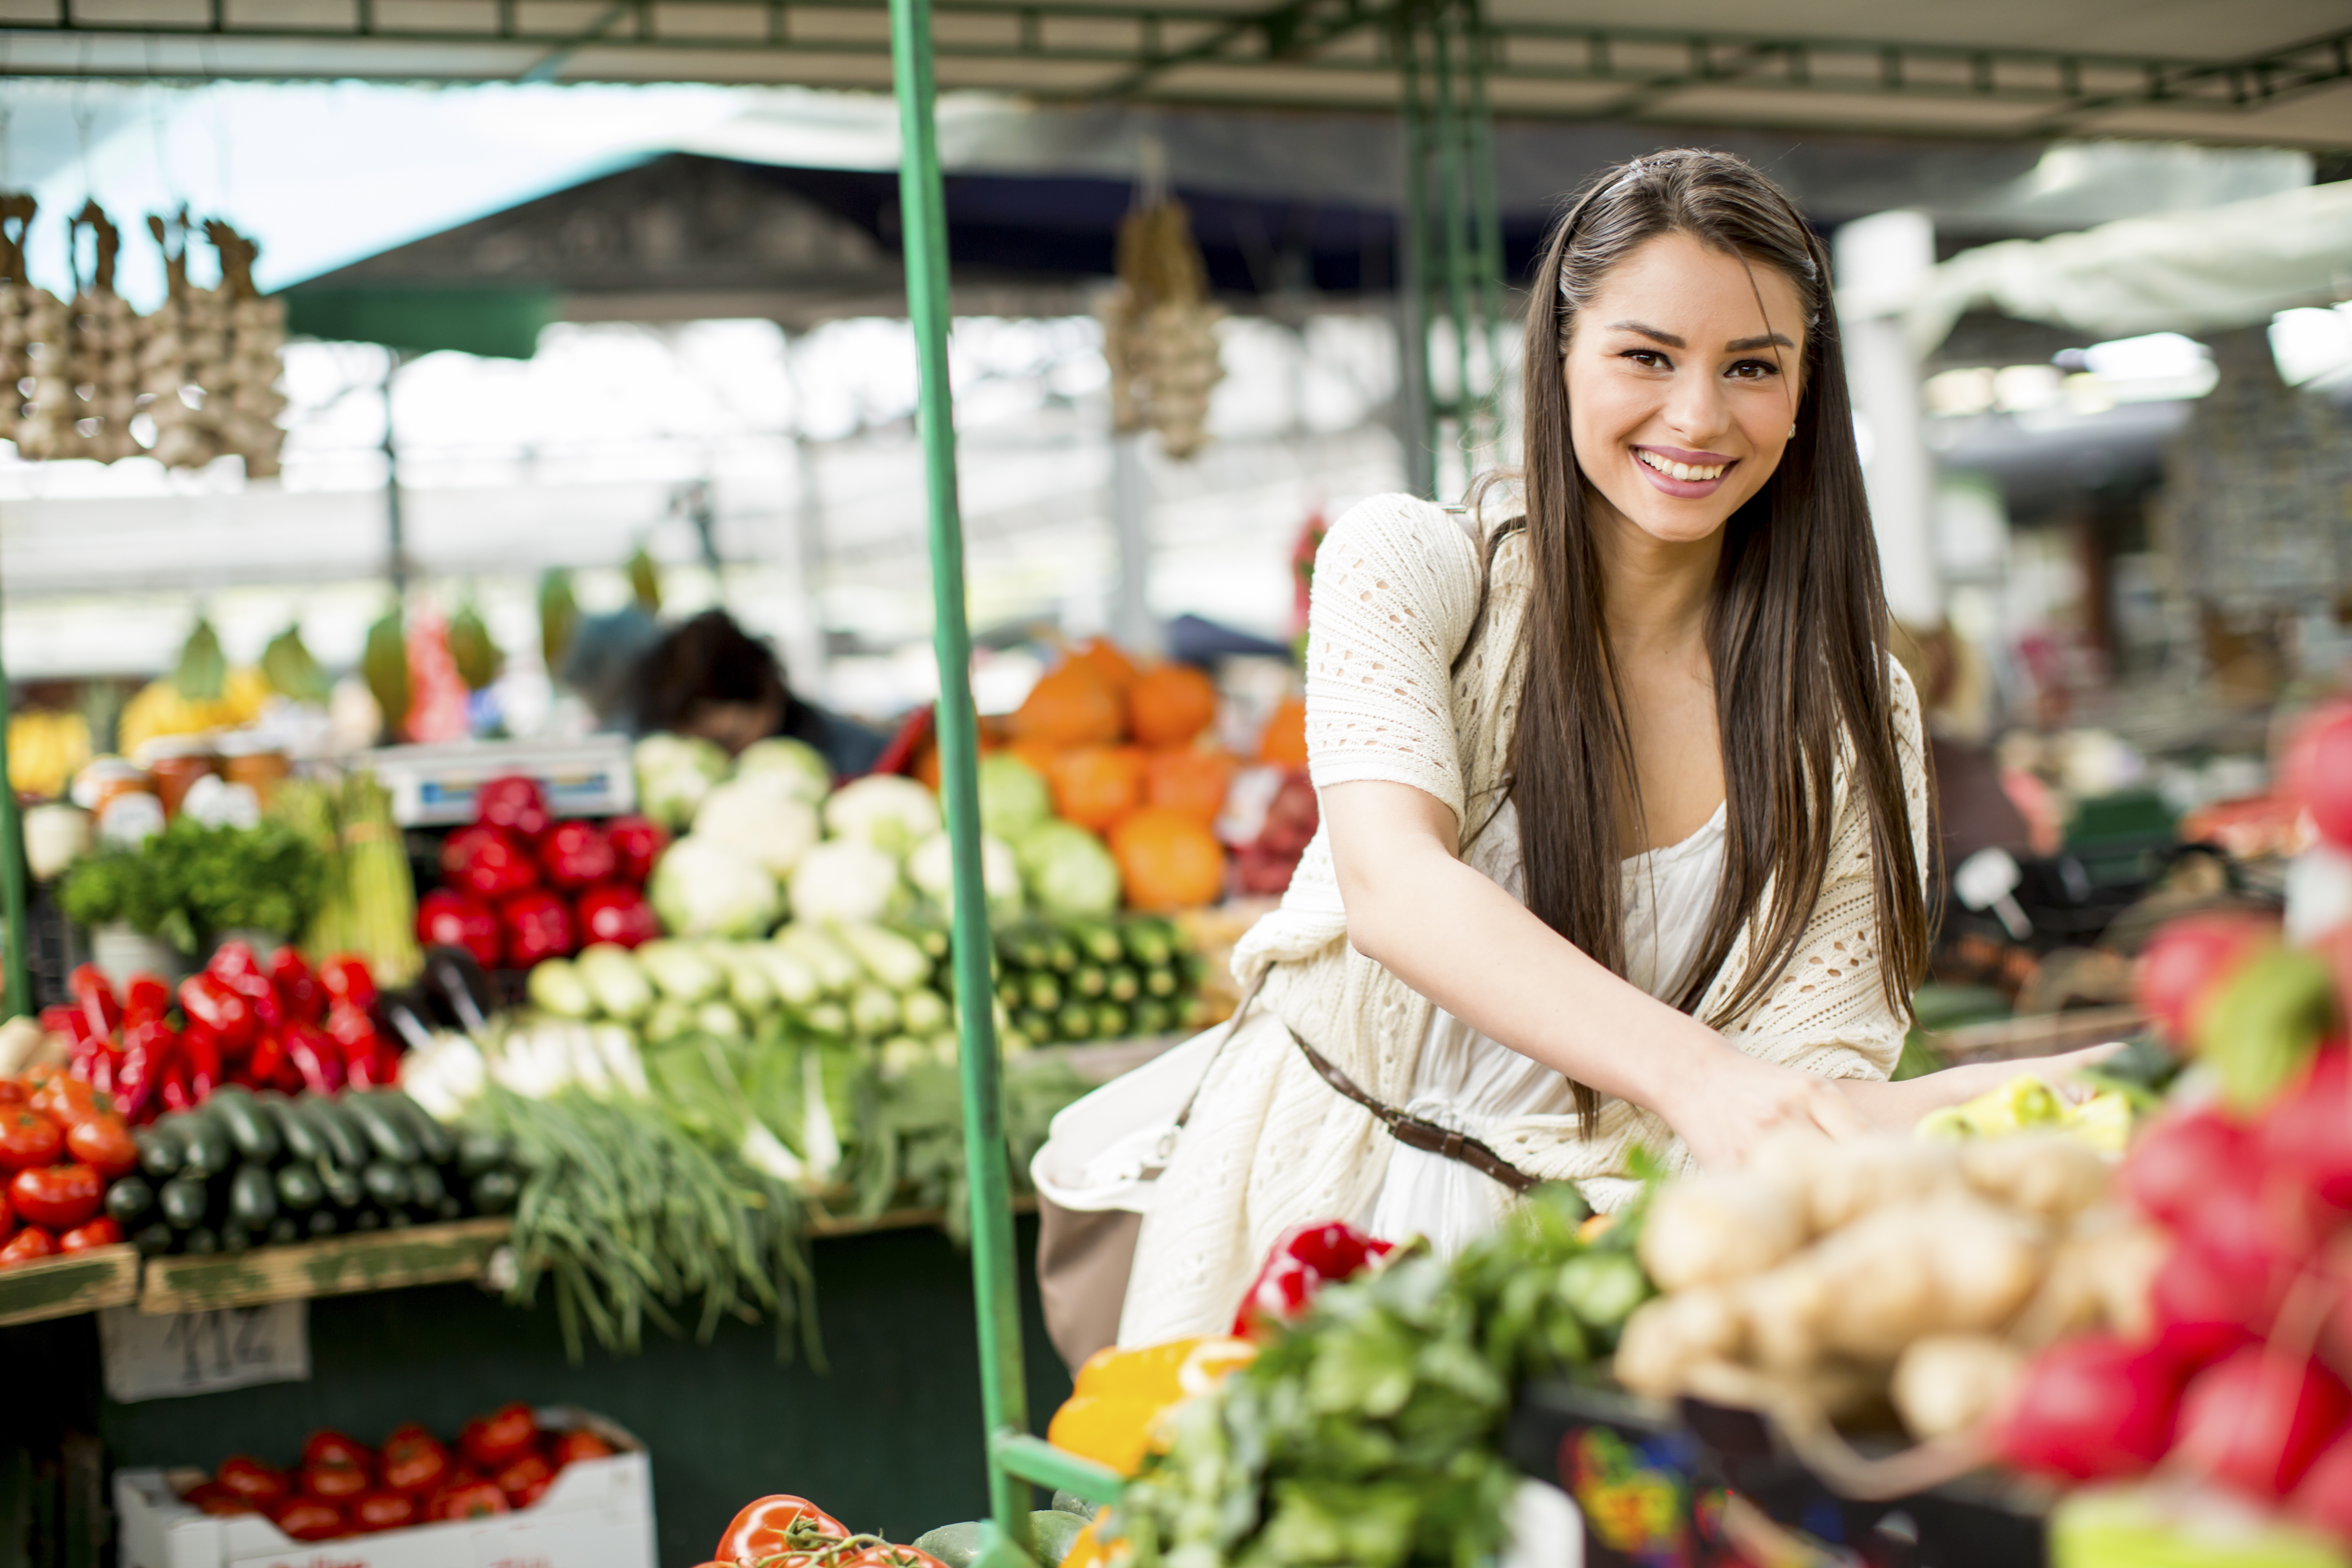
{"type": "Point", "coordinates": [60, 1286]}
{"type": "Point", "coordinates": [380, 1260]}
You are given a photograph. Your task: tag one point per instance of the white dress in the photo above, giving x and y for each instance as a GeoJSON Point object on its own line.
{"type": "Point", "coordinates": [1473, 1084]}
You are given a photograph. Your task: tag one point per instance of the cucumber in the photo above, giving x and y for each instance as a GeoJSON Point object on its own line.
{"type": "Point", "coordinates": [323, 1222]}
{"type": "Point", "coordinates": [1159, 982]}
{"type": "Point", "coordinates": [433, 1140]}
{"type": "Point", "coordinates": [387, 1183]}
{"type": "Point", "coordinates": [200, 1242]}
{"type": "Point", "coordinates": [1151, 942]}
{"type": "Point", "coordinates": [451, 1206]}
{"type": "Point", "coordinates": [252, 1128]}
{"type": "Point", "coordinates": [367, 1220]}
{"type": "Point", "coordinates": [1097, 939]}
{"type": "Point", "coordinates": [425, 1186]}
{"type": "Point", "coordinates": [252, 1197]}
{"type": "Point", "coordinates": [295, 1130]}
{"type": "Point", "coordinates": [183, 1201]}
{"type": "Point", "coordinates": [154, 1240]}
{"type": "Point", "coordinates": [298, 1189]}
{"type": "Point", "coordinates": [1075, 1021]}
{"type": "Point", "coordinates": [495, 1192]}
{"type": "Point", "coordinates": [953, 1545]}
{"type": "Point", "coordinates": [160, 1151]}
{"type": "Point", "coordinates": [384, 1131]}
{"type": "Point", "coordinates": [1043, 993]}
{"type": "Point", "coordinates": [1121, 983]}
{"type": "Point", "coordinates": [1071, 1502]}
{"type": "Point", "coordinates": [341, 1186]}
{"type": "Point", "coordinates": [234, 1237]}
{"type": "Point", "coordinates": [285, 1230]}
{"type": "Point", "coordinates": [1052, 1533]}
{"type": "Point", "coordinates": [479, 1152]}
{"type": "Point", "coordinates": [208, 1149]}
{"type": "Point", "coordinates": [346, 1145]}
{"type": "Point", "coordinates": [1089, 981]}
{"type": "Point", "coordinates": [130, 1202]}
{"type": "Point", "coordinates": [1111, 1022]}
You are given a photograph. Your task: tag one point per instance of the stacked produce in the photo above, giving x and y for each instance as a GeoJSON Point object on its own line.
{"type": "Point", "coordinates": [524, 887]}
{"type": "Point", "coordinates": [1081, 980]}
{"type": "Point", "coordinates": [790, 1529]}
{"type": "Point", "coordinates": [61, 1146]}
{"type": "Point", "coordinates": [369, 901]}
{"type": "Point", "coordinates": [194, 881]}
{"type": "Point", "coordinates": [500, 1462]}
{"type": "Point", "coordinates": [23, 307]}
{"type": "Point", "coordinates": [251, 1168]}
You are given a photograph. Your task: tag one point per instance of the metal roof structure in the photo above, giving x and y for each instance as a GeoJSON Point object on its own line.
{"type": "Point", "coordinates": [2266, 71]}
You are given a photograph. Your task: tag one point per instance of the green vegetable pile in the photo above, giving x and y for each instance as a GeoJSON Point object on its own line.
{"type": "Point", "coordinates": [191, 882]}
{"type": "Point", "coordinates": [1371, 1432]}
{"type": "Point", "coordinates": [1067, 980]}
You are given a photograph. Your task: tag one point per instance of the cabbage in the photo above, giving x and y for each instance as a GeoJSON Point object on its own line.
{"type": "Point", "coordinates": [845, 879]}
{"type": "Point", "coordinates": [932, 868]}
{"type": "Point", "coordinates": [760, 816]}
{"type": "Point", "coordinates": [794, 762]}
{"type": "Point", "coordinates": [703, 887]}
{"type": "Point", "coordinates": [674, 773]}
{"type": "Point", "coordinates": [1013, 797]}
{"type": "Point", "coordinates": [890, 812]}
{"type": "Point", "coordinates": [1068, 870]}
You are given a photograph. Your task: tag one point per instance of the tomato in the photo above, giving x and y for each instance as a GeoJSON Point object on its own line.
{"type": "Point", "coordinates": [65, 1100]}
{"type": "Point", "coordinates": [384, 1510]}
{"type": "Point", "coordinates": [415, 1463]}
{"type": "Point", "coordinates": [475, 1500]}
{"type": "Point", "coordinates": [570, 1447]}
{"type": "Point", "coordinates": [59, 1197]}
{"type": "Point", "coordinates": [104, 1143]}
{"type": "Point", "coordinates": [14, 1091]}
{"type": "Point", "coordinates": [308, 1519]}
{"type": "Point", "coordinates": [215, 1499]}
{"type": "Point", "coordinates": [99, 1232]}
{"type": "Point", "coordinates": [7, 1215]}
{"type": "Point", "coordinates": [525, 1479]}
{"type": "Point", "coordinates": [336, 1483]}
{"type": "Point", "coordinates": [329, 1446]}
{"type": "Point", "coordinates": [29, 1245]}
{"type": "Point", "coordinates": [764, 1529]}
{"type": "Point", "coordinates": [882, 1554]}
{"type": "Point", "coordinates": [251, 1479]}
{"type": "Point", "coordinates": [496, 1441]}
{"type": "Point", "coordinates": [29, 1138]}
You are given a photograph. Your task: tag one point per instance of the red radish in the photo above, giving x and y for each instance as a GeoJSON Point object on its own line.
{"type": "Point", "coordinates": [2317, 775]}
{"type": "Point", "coordinates": [446, 918]}
{"type": "Point", "coordinates": [2091, 1408]}
{"type": "Point", "coordinates": [2202, 1315]}
{"type": "Point", "coordinates": [2306, 1135]}
{"type": "Point", "coordinates": [2185, 964]}
{"type": "Point", "coordinates": [2325, 1497]}
{"type": "Point", "coordinates": [2258, 1420]}
{"type": "Point", "coordinates": [2180, 1160]}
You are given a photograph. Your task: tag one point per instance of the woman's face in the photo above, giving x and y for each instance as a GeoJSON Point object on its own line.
{"type": "Point", "coordinates": [1683, 383]}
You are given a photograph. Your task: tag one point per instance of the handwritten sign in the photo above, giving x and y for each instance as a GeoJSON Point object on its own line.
{"type": "Point", "coordinates": [149, 1356]}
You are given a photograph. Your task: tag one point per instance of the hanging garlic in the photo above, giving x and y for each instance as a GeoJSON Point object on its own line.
{"type": "Point", "coordinates": [167, 361]}
{"type": "Point", "coordinates": [17, 211]}
{"type": "Point", "coordinates": [1159, 329]}
{"type": "Point", "coordinates": [243, 391]}
{"type": "Point", "coordinates": [102, 364]}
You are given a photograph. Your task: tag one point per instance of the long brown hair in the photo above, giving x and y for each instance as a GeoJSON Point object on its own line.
{"type": "Point", "coordinates": [1797, 632]}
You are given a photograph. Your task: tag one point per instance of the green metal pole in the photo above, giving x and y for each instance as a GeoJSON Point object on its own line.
{"type": "Point", "coordinates": [1413, 287]}
{"type": "Point", "coordinates": [1452, 200]}
{"type": "Point", "coordinates": [995, 1290]}
{"type": "Point", "coordinates": [1488, 206]}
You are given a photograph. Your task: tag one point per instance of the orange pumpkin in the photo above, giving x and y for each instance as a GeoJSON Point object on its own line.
{"type": "Point", "coordinates": [1168, 859]}
{"type": "Point", "coordinates": [1190, 780]}
{"type": "Point", "coordinates": [1171, 703]}
{"type": "Point", "coordinates": [1094, 786]}
{"type": "Point", "coordinates": [1284, 741]}
{"type": "Point", "coordinates": [1118, 671]}
{"type": "Point", "coordinates": [1071, 707]}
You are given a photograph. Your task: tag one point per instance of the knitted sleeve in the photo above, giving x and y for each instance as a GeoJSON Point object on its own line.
{"type": "Point", "coordinates": [1395, 593]}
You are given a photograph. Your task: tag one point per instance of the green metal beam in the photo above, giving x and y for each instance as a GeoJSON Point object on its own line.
{"type": "Point", "coordinates": [996, 1292]}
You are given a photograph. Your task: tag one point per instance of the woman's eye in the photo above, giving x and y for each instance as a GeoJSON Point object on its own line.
{"type": "Point", "coordinates": [1648, 358]}
{"type": "Point", "coordinates": [1754, 370]}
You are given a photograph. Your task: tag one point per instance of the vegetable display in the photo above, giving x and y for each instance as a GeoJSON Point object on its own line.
{"type": "Point", "coordinates": [61, 1150]}
{"type": "Point", "coordinates": [193, 881]}
{"type": "Point", "coordinates": [522, 887]}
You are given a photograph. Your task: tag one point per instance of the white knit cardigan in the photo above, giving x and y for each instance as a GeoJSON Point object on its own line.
{"type": "Point", "coordinates": [1394, 608]}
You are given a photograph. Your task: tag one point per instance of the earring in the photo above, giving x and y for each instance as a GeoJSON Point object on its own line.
{"type": "Point", "coordinates": [1793, 432]}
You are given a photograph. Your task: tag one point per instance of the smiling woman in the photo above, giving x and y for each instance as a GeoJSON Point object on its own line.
{"type": "Point", "coordinates": [1624, 809]}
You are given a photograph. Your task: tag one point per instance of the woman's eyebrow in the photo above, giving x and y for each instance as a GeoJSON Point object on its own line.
{"type": "Point", "coordinates": [1741, 345]}
{"type": "Point", "coordinates": [1737, 346]}
{"type": "Point", "coordinates": [1652, 333]}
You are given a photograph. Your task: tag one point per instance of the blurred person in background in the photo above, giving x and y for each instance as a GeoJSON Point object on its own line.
{"type": "Point", "coordinates": [710, 677]}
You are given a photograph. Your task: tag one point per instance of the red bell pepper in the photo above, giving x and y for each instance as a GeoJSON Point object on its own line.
{"type": "Point", "coordinates": [618, 914]}
{"type": "Point", "coordinates": [96, 999]}
{"type": "Point", "coordinates": [149, 1043]}
{"type": "Point", "coordinates": [316, 1056]}
{"type": "Point", "coordinates": [174, 1090]}
{"type": "Point", "coordinates": [448, 918]}
{"type": "Point", "coordinates": [1301, 1262]}
{"type": "Point", "coordinates": [515, 803]}
{"type": "Point", "coordinates": [145, 996]}
{"type": "Point", "coordinates": [537, 926]}
{"type": "Point", "coordinates": [269, 1061]}
{"type": "Point", "coordinates": [200, 1055]}
{"type": "Point", "coordinates": [636, 843]}
{"type": "Point", "coordinates": [92, 1061]}
{"type": "Point", "coordinates": [577, 855]}
{"type": "Point", "coordinates": [347, 979]}
{"type": "Point", "coordinates": [67, 1020]}
{"type": "Point", "coordinates": [489, 862]}
{"type": "Point", "coordinates": [301, 998]}
{"type": "Point", "coordinates": [213, 1006]}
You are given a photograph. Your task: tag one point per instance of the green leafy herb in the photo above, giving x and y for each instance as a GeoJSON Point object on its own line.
{"type": "Point", "coordinates": [192, 881]}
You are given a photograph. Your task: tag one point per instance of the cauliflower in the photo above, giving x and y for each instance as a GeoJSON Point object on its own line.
{"type": "Point", "coordinates": [845, 879]}
{"type": "Point", "coordinates": [932, 868]}
{"type": "Point", "coordinates": [704, 888]}
{"type": "Point", "coordinates": [674, 773]}
{"type": "Point", "coordinates": [759, 816]}
{"type": "Point", "coordinates": [1068, 870]}
{"type": "Point", "coordinates": [797, 762]}
{"type": "Point", "coordinates": [1013, 796]}
{"type": "Point", "coordinates": [891, 812]}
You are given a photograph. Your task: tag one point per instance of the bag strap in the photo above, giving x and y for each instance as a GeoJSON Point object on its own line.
{"type": "Point", "coordinates": [1166, 1148]}
{"type": "Point", "coordinates": [1415, 1133]}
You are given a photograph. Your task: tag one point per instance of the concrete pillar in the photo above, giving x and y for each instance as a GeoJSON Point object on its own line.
{"type": "Point", "coordinates": [1880, 261]}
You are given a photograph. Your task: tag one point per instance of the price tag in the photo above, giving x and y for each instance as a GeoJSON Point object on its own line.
{"type": "Point", "coordinates": [163, 1357]}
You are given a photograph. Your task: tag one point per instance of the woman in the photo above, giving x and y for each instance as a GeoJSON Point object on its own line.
{"type": "Point", "coordinates": [710, 677]}
{"type": "Point", "coordinates": [1624, 803]}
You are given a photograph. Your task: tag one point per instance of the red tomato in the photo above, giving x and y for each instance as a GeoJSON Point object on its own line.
{"type": "Point", "coordinates": [636, 845]}
{"type": "Point", "coordinates": [336, 1483]}
{"type": "Point", "coordinates": [475, 1500]}
{"type": "Point", "coordinates": [514, 801]}
{"type": "Point", "coordinates": [12, 1092]}
{"type": "Point", "coordinates": [577, 855]}
{"type": "Point", "coordinates": [616, 914]}
{"type": "Point", "coordinates": [448, 918]}
{"type": "Point", "coordinates": [30, 1244]}
{"type": "Point", "coordinates": [104, 1143]}
{"type": "Point", "coordinates": [882, 1554]}
{"type": "Point", "coordinates": [570, 1447]}
{"type": "Point", "coordinates": [215, 1499]}
{"type": "Point", "coordinates": [65, 1100]}
{"type": "Point", "coordinates": [308, 1519]}
{"type": "Point", "coordinates": [414, 1462]}
{"type": "Point", "coordinates": [525, 1479]}
{"type": "Point", "coordinates": [498, 1439]}
{"type": "Point", "coordinates": [251, 1479]}
{"type": "Point", "coordinates": [60, 1197]}
{"type": "Point", "coordinates": [99, 1232]}
{"type": "Point", "coordinates": [7, 1215]}
{"type": "Point", "coordinates": [764, 1527]}
{"type": "Point", "coordinates": [29, 1138]}
{"type": "Point", "coordinates": [329, 1446]}
{"type": "Point", "coordinates": [384, 1510]}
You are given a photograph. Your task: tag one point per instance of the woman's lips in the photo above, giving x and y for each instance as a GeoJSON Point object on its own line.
{"type": "Point", "coordinates": [1645, 458]}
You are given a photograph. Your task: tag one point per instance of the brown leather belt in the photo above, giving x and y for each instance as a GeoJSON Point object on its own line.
{"type": "Point", "coordinates": [1415, 1133]}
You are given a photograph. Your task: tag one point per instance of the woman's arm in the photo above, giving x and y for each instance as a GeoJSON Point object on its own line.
{"type": "Point", "coordinates": [1897, 1106]}
{"type": "Point", "coordinates": [1464, 943]}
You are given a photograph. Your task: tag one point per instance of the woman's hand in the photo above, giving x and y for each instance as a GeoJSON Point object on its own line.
{"type": "Point", "coordinates": [1897, 1107]}
{"type": "Point", "coordinates": [1740, 1101]}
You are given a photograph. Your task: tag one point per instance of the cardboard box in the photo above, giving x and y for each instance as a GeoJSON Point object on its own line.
{"type": "Point", "coordinates": [598, 1514]}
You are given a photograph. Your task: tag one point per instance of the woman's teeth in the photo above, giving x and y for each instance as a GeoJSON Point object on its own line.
{"type": "Point", "coordinates": [1680, 470]}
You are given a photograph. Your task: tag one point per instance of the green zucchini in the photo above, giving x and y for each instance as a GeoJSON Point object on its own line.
{"type": "Point", "coordinates": [1111, 1022]}
{"type": "Point", "coordinates": [129, 1201]}
{"type": "Point", "coordinates": [250, 1127]}
{"type": "Point", "coordinates": [1151, 942]}
{"type": "Point", "coordinates": [387, 1183]}
{"type": "Point", "coordinates": [367, 1220]}
{"type": "Point", "coordinates": [1121, 983]}
{"type": "Point", "coordinates": [1075, 1021]}
{"type": "Point", "coordinates": [252, 1197]}
{"type": "Point", "coordinates": [160, 1151]}
{"type": "Point", "coordinates": [426, 1189]}
{"type": "Point", "coordinates": [208, 1149]}
{"type": "Point", "coordinates": [234, 1237]}
{"type": "Point", "coordinates": [1071, 1502]}
{"type": "Point", "coordinates": [341, 1186]}
{"type": "Point", "coordinates": [184, 1202]}
{"type": "Point", "coordinates": [478, 1150]}
{"type": "Point", "coordinates": [495, 1192]}
{"type": "Point", "coordinates": [154, 1240]}
{"type": "Point", "coordinates": [285, 1230]}
{"type": "Point", "coordinates": [433, 1140]}
{"type": "Point", "coordinates": [296, 1130]}
{"type": "Point", "coordinates": [346, 1145]}
{"type": "Point", "coordinates": [386, 1132]}
{"type": "Point", "coordinates": [1153, 1016]}
{"type": "Point", "coordinates": [1098, 939]}
{"type": "Point", "coordinates": [324, 1222]}
{"type": "Point", "coordinates": [953, 1545]}
{"type": "Point", "coordinates": [1043, 993]}
{"type": "Point", "coordinates": [200, 1242]}
{"type": "Point", "coordinates": [298, 1188]}
{"type": "Point", "coordinates": [1159, 982]}
{"type": "Point", "coordinates": [1052, 1533]}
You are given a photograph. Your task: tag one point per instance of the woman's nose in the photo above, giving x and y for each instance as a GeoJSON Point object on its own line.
{"type": "Point", "coordinates": [1695, 407]}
